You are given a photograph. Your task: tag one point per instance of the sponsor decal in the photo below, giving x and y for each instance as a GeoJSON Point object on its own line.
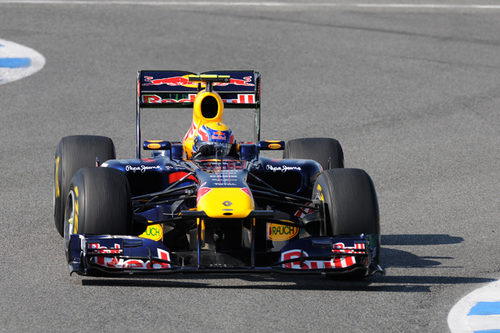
{"type": "Point", "coordinates": [115, 262]}
{"type": "Point", "coordinates": [241, 99]}
{"type": "Point", "coordinates": [282, 168]}
{"type": "Point", "coordinates": [141, 168]}
{"type": "Point", "coordinates": [154, 232]}
{"type": "Point", "coordinates": [336, 262]}
{"type": "Point", "coordinates": [224, 177]}
{"type": "Point", "coordinates": [227, 203]}
{"type": "Point", "coordinates": [280, 232]}
{"type": "Point", "coordinates": [356, 249]}
{"type": "Point", "coordinates": [219, 135]}
{"type": "Point", "coordinates": [169, 98]}
{"type": "Point", "coordinates": [170, 81]}
{"type": "Point", "coordinates": [189, 98]}
{"type": "Point", "coordinates": [103, 249]}
{"type": "Point", "coordinates": [228, 166]}
{"type": "Point", "coordinates": [183, 81]}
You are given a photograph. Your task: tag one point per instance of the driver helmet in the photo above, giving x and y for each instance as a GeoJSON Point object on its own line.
{"type": "Point", "coordinates": [213, 138]}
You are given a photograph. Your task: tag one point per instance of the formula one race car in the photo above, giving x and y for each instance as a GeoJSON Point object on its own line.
{"type": "Point", "coordinates": [209, 203]}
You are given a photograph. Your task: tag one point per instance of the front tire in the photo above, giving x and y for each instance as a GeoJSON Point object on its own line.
{"type": "Point", "coordinates": [73, 153]}
{"type": "Point", "coordinates": [350, 207]}
{"type": "Point", "coordinates": [351, 204]}
{"type": "Point", "coordinates": [98, 203]}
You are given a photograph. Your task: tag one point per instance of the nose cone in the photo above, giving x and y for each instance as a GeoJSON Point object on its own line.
{"type": "Point", "coordinates": [225, 202]}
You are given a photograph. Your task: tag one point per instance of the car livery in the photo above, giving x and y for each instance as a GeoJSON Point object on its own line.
{"type": "Point", "coordinates": [176, 211]}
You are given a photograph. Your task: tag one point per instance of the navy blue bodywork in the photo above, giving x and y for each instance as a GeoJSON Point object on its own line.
{"type": "Point", "coordinates": [163, 190]}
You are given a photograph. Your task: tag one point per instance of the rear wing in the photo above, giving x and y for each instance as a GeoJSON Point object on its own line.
{"type": "Point", "coordinates": [175, 89]}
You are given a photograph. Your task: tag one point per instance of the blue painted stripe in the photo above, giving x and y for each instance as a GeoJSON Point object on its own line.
{"type": "Point", "coordinates": [488, 331]}
{"type": "Point", "coordinates": [485, 309]}
{"type": "Point", "coordinates": [15, 62]}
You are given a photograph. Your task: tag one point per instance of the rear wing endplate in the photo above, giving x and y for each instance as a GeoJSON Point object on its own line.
{"type": "Point", "coordinates": [174, 89]}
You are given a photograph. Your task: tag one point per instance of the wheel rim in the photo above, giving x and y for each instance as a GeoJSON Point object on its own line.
{"type": "Point", "coordinates": [69, 216]}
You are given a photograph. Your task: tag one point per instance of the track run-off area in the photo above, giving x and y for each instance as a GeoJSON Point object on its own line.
{"type": "Point", "coordinates": [411, 89]}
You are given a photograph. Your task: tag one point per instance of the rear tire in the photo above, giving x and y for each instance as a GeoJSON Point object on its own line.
{"type": "Point", "coordinates": [326, 151]}
{"type": "Point", "coordinates": [98, 203]}
{"type": "Point", "coordinates": [73, 153]}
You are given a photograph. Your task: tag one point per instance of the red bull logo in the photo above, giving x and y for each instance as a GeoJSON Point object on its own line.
{"type": "Point", "coordinates": [303, 263]}
{"type": "Point", "coordinates": [219, 135]}
{"type": "Point", "coordinates": [246, 81]}
{"type": "Point", "coordinates": [155, 99]}
{"type": "Point", "coordinates": [170, 81]}
{"type": "Point", "coordinates": [120, 263]}
{"type": "Point", "coordinates": [183, 81]}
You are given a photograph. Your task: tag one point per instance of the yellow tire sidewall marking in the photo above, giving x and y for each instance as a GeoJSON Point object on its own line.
{"type": "Point", "coordinates": [58, 190]}
{"type": "Point", "coordinates": [76, 209]}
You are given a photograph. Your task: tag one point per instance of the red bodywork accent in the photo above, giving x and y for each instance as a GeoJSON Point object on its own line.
{"type": "Point", "coordinates": [202, 192]}
{"type": "Point", "coordinates": [247, 191]}
{"type": "Point", "coordinates": [175, 176]}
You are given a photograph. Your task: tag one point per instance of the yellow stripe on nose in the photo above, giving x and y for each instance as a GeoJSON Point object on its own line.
{"type": "Point", "coordinates": [226, 202]}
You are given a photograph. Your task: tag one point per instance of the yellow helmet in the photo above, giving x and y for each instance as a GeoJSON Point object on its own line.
{"type": "Point", "coordinates": [211, 138]}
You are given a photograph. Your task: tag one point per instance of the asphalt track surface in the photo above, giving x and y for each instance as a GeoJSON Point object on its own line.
{"type": "Point", "coordinates": [412, 94]}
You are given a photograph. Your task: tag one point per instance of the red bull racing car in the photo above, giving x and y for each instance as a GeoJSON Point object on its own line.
{"type": "Point", "coordinates": [209, 203]}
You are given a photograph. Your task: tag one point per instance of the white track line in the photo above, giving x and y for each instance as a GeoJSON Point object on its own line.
{"type": "Point", "coordinates": [303, 5]}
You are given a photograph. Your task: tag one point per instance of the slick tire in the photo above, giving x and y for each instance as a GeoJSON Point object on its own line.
{"type": "Point", "coordinates": [326, 151]}
{"type": "Point", "coordinates": [351, 208]}
{"type": "Point", "coordinates": [73, 153]}
{"type": "Point", "coordinates": [98, 203]}
{"type": "Point", "coordinates": [351, 205]}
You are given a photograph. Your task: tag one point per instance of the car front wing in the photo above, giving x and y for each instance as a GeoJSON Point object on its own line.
{"type": "Point", "coordinates": [89, 254]}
